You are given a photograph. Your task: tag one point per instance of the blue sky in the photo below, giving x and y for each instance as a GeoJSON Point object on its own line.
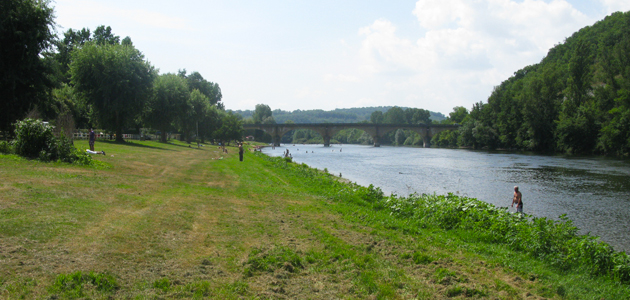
{"type": "Point", "coordinates": [431, 54]}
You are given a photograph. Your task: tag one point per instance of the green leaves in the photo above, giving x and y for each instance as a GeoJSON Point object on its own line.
{"type": "Point", "coordinates": [34, 139]}
{"type": "Point", "coordinates": [556, 242]}
{"type": "Point", "coordinates": [115, 80]}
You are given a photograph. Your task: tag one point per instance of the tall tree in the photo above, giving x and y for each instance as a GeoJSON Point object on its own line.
{"type": "Point", "coordinates": [26, 29]}
{"type": "Point", "coordinates": [104, 36]}
{"type": "Point", "coordinates": [207, 88]}
{"type": "Point", "coordinates": [376, 117]}
{"type": "Point", "coordinates": [458, 114]}
{"type": "Point", "coordinates": [262, 114]}
{"type": "Point", "coordinates": [115, 80]}
{"type": "Point", "coordinates": [231, 128]}
{"type": "Point", "coordinates": [197, 106]}
{"type": "Point", "coordinates": [417, 116]}
{"type": "Point", "coordinates": [167, 102]}
{"type": "Point", "coordinates": [72, 39]}
{"type": "Point", "coordinates": [394, 115]}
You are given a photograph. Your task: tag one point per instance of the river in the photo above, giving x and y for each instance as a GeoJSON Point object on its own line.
{"type": "Point", "coordinates": [592, 191]}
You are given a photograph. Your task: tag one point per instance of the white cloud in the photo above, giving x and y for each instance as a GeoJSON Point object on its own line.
{"type": "Point", "coordinates": [340, 78]}
{"type": "Point", "coordinates": [616, 5]}
{"type": "Point", "coordinates": [467, 47]}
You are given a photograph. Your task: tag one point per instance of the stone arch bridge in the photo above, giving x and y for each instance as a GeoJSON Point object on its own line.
{"type": "Point", "coordinates": [328, 130]}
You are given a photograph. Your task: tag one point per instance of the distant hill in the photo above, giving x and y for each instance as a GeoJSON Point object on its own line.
{"type": "Point", "coordinates": [339, 115]}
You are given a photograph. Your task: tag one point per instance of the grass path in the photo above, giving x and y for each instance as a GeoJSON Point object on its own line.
{"type": "Point", "coordinates": [169, 221]}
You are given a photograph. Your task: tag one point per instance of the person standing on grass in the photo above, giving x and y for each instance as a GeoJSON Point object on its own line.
{"type": "Point", "coordinates": [240, 151]}
{"type": "Point", "coordinates": [518, 199]}
{"type": "Point", "coordinates": [91, 139]}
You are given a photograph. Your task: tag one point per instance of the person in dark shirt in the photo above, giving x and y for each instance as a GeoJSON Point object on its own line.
{"type": "Point", "coordinates": [91, 139]}
{"type": "Point", "coordinates": [240, 151]}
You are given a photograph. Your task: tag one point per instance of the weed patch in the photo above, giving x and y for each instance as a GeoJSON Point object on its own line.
{"type": "Point", "coordinates": [268, 260]}
{"type": "Point", "coordinates": [78, 284]}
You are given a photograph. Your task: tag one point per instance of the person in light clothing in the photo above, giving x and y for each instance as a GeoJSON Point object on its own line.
{"type": "Point", "coordinates": [518, 200]}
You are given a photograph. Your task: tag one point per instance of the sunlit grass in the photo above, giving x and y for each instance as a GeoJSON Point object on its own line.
{"type": "Point", "coordinates": [171, 221]}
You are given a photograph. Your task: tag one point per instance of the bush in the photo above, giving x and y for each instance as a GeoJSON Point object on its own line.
{"type": "Point", "coordinates": [35, 139]}
{"type": "Point", "coordinates": [556, 242]}
{"type": "Point", "coordinates": [32, 137]}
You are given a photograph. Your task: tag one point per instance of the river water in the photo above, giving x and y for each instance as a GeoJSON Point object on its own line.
{"type": "Point", "coordinates": [593, 192]}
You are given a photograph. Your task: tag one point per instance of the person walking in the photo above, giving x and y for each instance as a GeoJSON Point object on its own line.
{"type": "Point", "coordinates": [518, 200]}
{"type": "Point", "coordinates": [91, 139]}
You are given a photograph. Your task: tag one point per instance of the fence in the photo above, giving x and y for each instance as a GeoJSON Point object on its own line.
{"type": "Point", "coordinates": [85, 136]}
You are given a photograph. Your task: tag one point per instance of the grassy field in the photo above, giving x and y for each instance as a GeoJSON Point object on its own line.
{"type": "Point", "coordinates": [162, 221]}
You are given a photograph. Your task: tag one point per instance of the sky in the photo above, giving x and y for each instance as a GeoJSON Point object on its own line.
{"type": "Point", "coordinates": [325, 54]}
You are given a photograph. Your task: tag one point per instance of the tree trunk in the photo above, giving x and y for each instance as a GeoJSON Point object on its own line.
{"type": "Point", "coordinates": [163, 136]}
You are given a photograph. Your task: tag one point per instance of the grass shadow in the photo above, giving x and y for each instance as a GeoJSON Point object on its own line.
{"type": "Point", "coordinates": [190, 146]}
{"type": "Point", "coordinates": [132, 144]}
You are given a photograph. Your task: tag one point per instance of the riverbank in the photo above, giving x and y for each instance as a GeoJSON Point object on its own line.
{"type": "Point", "coordinates": [169, 221]}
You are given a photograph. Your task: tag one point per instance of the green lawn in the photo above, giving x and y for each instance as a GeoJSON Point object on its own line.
{"type": "Point", "coordinates": [157, 221]}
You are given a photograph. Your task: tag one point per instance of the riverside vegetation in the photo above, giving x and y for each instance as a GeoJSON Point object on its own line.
{"type": "Point", "coordinates": [154, 221]}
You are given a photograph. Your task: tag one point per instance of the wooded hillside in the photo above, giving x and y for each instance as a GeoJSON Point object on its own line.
{"type": "Point", "coordinates": [576, 100]}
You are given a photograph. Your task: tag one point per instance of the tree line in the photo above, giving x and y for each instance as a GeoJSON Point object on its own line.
{"type": "Point", "coordinates": [96, 79]}
{"type": "Point", "coordinates": [576, 100]}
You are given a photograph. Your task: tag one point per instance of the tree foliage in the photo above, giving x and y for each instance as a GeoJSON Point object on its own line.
{"type": "Point", "coordinates": [263, 115]}
{"type": "Point", "coordinates": [26, 30]}
{"type": "Point", "coordinates": [167, 102]}
{"type": "Point", "coordinates": [574, 101]}
{"type": "Point", "coordinates": [115, 80]}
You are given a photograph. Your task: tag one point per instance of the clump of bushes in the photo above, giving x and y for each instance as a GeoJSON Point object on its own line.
{"type": "Point", "coordinates": [556, 242]}
{"type": "Point", "coordinates": [35, 139]}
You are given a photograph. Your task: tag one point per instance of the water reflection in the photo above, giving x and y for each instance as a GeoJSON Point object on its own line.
{"type": "Point", "coordinates": [591, 191]}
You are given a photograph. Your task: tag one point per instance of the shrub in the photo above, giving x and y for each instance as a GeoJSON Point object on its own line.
{"type": "Point", "coordinates": [35, 139]}
{"type": "Point", "coordinates": [556, 242]}
{"type": "Point", "coordinates": [32, 137]}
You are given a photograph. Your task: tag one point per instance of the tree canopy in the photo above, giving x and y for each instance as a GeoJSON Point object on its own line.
{"type": "Point", "coordinates": [170, 93]}
{"type": "Point", "coordinates": [115, 80]}
{"type": "Point", "coordinates": [575, 100]}
{"type": "Point", "coordinates": [26, 30]}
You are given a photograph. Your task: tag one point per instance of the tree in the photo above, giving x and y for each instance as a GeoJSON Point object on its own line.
{"type": "Point", "coordinates": [231, 128]}
{"type": "Point", "coordinates": [458, 114]}
{"type": "Point", "coordinates": [207, 88]}
{"type": "Point", "coordinates": [394, 115]}
{"type": "Point", "coordinates": [104, 36]}
{"type": "Point", "coordinates": [72, 39]}
{"type": "Point", "coordinates": [26, 30]}
{"type": "Point", "coordinates": [115, 80]}
{"type": "Point", "coordinates": [196, 108]}
{"type": "Point", "coordinates": [417, 116]}
{"type": "Point", "coordinates": [376, 117]}
{"type": "Point", "coordinates": [166, 103]}
{"type": "Point", "coordinates": [262, 114]}
{"type": "Point", "coordinates": [210, 122]}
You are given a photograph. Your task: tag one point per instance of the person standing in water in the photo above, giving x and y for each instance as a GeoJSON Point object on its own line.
{"type": "Point", "coordinates": [518, 199]}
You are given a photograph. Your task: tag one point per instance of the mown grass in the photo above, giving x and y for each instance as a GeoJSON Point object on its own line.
{"type": "Point", "coordinates": [155, 221]}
